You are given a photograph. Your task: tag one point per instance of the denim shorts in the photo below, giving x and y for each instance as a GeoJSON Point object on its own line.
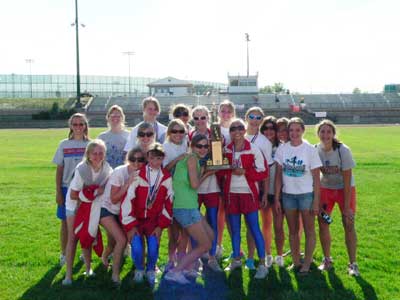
{"type": "Point", "coordinates": [104, 212]}
{"type": "Point", "coordinates": [70, 213]}
{"type": "Point", "coordinates": [61, 208]}
{"type": "Point", "coordinates": [297, 201]}
{"type": "Point", "coordinates": [187, 216]}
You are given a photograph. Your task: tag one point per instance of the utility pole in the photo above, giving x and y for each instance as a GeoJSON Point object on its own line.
{"type": "Point", "coordinates": [129, 54]}
{"type": "Point", "coordinates": [247, 42]}
{"type": "Point", "coordinates": [78, 75]}
{"type": "Point", "coordinates": [30, 61]}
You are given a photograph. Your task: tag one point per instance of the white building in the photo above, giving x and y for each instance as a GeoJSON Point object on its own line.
{"type": "Point", "coordinates": [170, 86]}
{"type": "Point", "coordinates": [243, 84]}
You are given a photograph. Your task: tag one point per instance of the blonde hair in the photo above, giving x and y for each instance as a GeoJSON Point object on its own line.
{"type": "Point", "coordinates": [172, 124]}
{"type": "Point", "coordinates": [90, 147]}
{"type": "Point", "coordinates": [201, 108]}
{"type": "Point", "coordinates": [254, 109]}
{"type": "Point", "coordinates": [118, 109]}
{"type": "Point", "coordinates": [238, 120]}
{"type": "Point", "coordinates": [229, 104]}
{"type": "Point", "coordinates": [85, 120]}
{"type": "Point", "coordinates": [148, 100]}
{"type": "Point", "coordinates": [296, 120]}
{"type": "Point", "coordinates": [335, 142]}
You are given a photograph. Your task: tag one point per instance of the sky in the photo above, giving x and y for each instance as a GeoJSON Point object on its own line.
{"type": "Point", "coordinates": [311, 46]}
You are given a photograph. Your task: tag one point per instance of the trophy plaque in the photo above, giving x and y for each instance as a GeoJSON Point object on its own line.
{"type": "Point", "coordinates": [217, 160]}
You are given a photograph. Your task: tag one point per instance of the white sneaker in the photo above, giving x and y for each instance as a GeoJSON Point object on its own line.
{"type": "Point", "coordinates": [151, 277]}
{"type": "Point", "coordinates": [262, 272]}
{"type": "Point", "coordinates": [89, 273]}
{"type": "Point", "coordinates": [280, 261]}
{"type": "Point", "coordinates": [213, 265]}
{"type": "Point", "coordinates": [62, 260]}
{"type": "Point", "coordinates": [234, 265]}
{"type": "Point", "coordinates": [353, 269]}
{"type": "Point", "coordinates": [270, 261]}
{"type": "Point", "coordinates": [138, 278]}
{"type": "Point", "coordinates": [177, 277]}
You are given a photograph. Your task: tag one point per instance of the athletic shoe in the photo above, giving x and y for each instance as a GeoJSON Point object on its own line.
{"type": "Point", "coordinates": [62, 260]}
{"type": "Point", "coordinates": [262, 272]}
{"type": "Point", "coordinates": [89, 273]}
{"type": "Point", "coordinates": [213, 265]}
{"type": "Point", "coordinates": [249, 263]}
{"type": "Point", "coordinates": [82, 258]}
{"type": "Point", "coordinates": [66, 282]}
{"type": "Point", "coordinates": [177, 277]}
{"type": "Point", "coordinates": [279, 261]}
{"type": "Point", "coordinates": [234, 265]}
{"type": "Point", "coordinates": [326, 264]}
{"type": "Point", "coordinates": [270, 261]}
{"type": "Point", "coordinates": [353, 269]}
{"type": "Point", "coordinates": [151, 277]}
{"type": "Point", "coordinates": [241, 255]}
{"type": "Point", "coordinates": [169, 266]}
{"type": "Point", "coordinates": [138, 278]}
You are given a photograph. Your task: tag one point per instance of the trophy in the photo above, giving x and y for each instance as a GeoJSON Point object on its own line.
{"type": "Point", "coordinates": [217, 161]}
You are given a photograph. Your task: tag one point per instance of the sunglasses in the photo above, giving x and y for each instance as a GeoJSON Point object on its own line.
{"type": "Point", "coordinates": [175, 131]}
{"type": "Point", "coordinates": [235, 128]}
{"type": "Point", "coordinates": [138, 159]}
{"type": "Point", "coordinates": [254, 117]}
{"type": "Point", "coordinates": [200, 118]}
{"type": "Point", "coordinates": [200, 146]}
{"type": "Point", "coordinates": [179, 114]}
{"type": "Point", "coordinates": [143, 134]}
{"type": "Point", "coordinates": [78, 124]}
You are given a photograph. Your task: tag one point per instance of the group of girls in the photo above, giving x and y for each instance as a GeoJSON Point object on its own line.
{"type": "Point", "coordinates": [164, 181]}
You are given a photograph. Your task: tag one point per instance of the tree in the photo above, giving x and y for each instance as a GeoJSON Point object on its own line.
{"type": "Point", "coordinates": [356, 90]}
{"type": "Point", "coordinates": [276, 88]}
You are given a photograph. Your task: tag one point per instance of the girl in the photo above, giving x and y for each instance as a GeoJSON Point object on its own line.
{"type": "Point", "coordinates": [337, 186]}
{"type": "Point", "coordinates": [269, 129]}
{"type": "Point", "coordinates": [253, 117]}
{"type": "Point", "coordinates": [241, 188]}
{"type": "Point", "coordinates": [115, 137]}
{"type": "Point", "coordinates": [69, 153]}
{"type": "Point", "coordinates": [146, 211]}
{"type": "Point", "coordinates": [182, 112]}
{"type": "Point", "coordinates": [151, 110]}
{"type": "Point", "coordinates": [186, 180]}
{"type": "Point", "coordinates": [145, 136]}
{"type": "Point", "coordinates": [297, 171]}
{"type": "Point", "coordinates": [175, 148]}
{"type": "Point", "coordinates": [201, 117]}
{"type": "Point", "coordinates": [116, 188]}
{"type": "Point", "coordinates": [83, 205]}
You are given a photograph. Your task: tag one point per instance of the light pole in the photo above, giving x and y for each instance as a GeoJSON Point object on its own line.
{"type": "Point", "coordinates": [78, 75]}
{"type": "Point", "coordinates": [247, 41]}
{"type": "Point", "coordinates": [129, 54]}
{"type": "Point", "coordinates": [30, 61]}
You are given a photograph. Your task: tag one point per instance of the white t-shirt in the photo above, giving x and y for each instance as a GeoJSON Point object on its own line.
{"type": "Point", "coordinates": [226, 134]}
{"type": "Point", "coordinates": [118, 178]}
{"type": "Point", "coordinates": [209, 185]}
{"type": "Point", "coordinates": [297, 163]}
{"type": "Point", "coordinates": [115, 143]}
{"type": "Point", "coordinates": [77, 184]}
{"type": "Point", "coordinates": [263, 144]}
{"type": "Point", "coordinates": [172, 151]}
{"type": "Point", "coordinates": [159, 128]}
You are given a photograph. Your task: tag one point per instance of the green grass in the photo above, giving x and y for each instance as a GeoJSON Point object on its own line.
{"type": "Point", "coordinates": [29, 247]}
{"type": "Point", "coordinates": [28, 103]}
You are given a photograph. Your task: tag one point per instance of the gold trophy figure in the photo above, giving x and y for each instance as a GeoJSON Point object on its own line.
{"type": "Point", "coordinates": [217, 160]}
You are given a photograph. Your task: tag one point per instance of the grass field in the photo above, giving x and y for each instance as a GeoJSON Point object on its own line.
{"type": "Point", "coordinates": [29, 247]}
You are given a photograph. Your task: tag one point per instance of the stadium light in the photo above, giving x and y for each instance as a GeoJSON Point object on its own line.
{"type": "Point", "coordinates": [30, 61]}
{"type": "Point", "coordinates": [129, 54]}
{"type": "Point", "coordinates": [78, 75]}
{"type": "Point", "coordinates": [247, 42]}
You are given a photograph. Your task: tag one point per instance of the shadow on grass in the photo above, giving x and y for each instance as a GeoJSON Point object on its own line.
{"type": "Point", "coordinates": [367, 288]}
{"type": "Point", "coordinates": [235, 285]}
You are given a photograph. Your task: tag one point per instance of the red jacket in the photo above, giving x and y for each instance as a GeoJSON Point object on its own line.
{"type": "Point", "coordinates": [135, 204]}
{"type": "Point", "coordinates": [247, 159]}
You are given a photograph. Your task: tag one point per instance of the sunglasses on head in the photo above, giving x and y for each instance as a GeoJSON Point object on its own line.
{"type": "Point", "coordinates": [143, 134]}
{"type": "Point", "coordinates": [175, 131]}
{"type": "Point", "coordinates": [179, 114]}
{"type": "Point", "coordinates": [78, 124]}
{"type": "Point", "coordinates": [235, 128]}
{"type": "Point", "coordinates": [138, 159]}
{"type": "Point", "coordinates": [200, 118]}
{"type": "Point", "coordinates": [200, 146]}
{"type": "Point", "coordinates": [254, 117]}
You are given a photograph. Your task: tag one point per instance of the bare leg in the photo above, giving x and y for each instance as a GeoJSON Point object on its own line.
{"type": "Point", "coordinates": [63, 236]}
{"type": "Point", "coordinates": [324, 237]}
{"type": "Point", "coordinates": [351, 240]}
{"type": "Point", "coordinates": [292, 217]}
{"type": "Point", "coordinates": [309, 230]}
{"type": "Point", "coordinates": [278, 232]}
{"type": "Point", "coordinates": [266, 216]}
{"type": "Point", "coordinates": [71, 247]}
{"type": "Point", "coordinates": [221, 221]}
